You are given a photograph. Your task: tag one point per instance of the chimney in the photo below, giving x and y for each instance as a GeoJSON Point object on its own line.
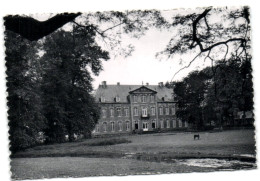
{"type": "Point", "coordinates": [118, 83]}
{"type": "Point", "coordinates": [160, 84]}
{"type": "Point", "coordinates": [147, 83]}
{"type": "Point", "coordinates": [104, 84]}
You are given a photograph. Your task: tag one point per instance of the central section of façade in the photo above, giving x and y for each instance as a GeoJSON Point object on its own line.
{"type": "Point", "coordinates": [136, 109]}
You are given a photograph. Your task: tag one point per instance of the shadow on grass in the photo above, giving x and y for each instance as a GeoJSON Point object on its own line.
{"type": "Point", "coordinates": [113, 141]}
{"type": "Point", "coordinates": [64, 149]}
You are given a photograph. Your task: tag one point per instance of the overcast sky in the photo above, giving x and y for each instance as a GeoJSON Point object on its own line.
{"type": "Point", "coordinates": [142, 66]}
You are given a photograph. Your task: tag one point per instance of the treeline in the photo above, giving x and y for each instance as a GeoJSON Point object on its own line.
{"type": "Point", "coordinates": [49, 86]}
{"type": "Point", "coordinates": [214, 95]}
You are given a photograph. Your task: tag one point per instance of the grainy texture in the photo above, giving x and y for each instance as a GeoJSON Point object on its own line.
{"type": "Point", "coordinates": [146, 154]}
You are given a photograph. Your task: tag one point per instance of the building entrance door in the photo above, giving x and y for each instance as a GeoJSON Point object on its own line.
{"type": "Point", "coordinates": [145, 126]}
{"type": "Point", "coordinates": [136, 125]}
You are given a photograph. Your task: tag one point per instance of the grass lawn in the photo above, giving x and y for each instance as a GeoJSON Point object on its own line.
{"type": "Point", "coordinates": [133, 154]}
{"type": "Point", "coordinates": [58, 167]}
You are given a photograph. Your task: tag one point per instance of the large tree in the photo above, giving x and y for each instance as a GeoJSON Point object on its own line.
{"type": "Point", "coordinates": [67, 84]}
{"type": "Point", "coordinates": [190, 94]}
{"type": "Point", "coordinates": [26, 120]}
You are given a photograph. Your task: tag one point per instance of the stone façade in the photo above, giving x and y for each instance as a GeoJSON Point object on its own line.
{"type": "Point", "coordinates": [136, 108]}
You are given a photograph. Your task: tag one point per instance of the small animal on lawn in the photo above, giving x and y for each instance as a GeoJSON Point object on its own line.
{"type": "Point", "coordinates": [196, 136]}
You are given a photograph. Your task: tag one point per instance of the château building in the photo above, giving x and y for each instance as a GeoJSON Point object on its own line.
{"type": "Point", "coordinates": [134, 108]}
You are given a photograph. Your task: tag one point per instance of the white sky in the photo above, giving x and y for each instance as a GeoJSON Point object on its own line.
{"type": "Point", "coordinates": [143, 66]}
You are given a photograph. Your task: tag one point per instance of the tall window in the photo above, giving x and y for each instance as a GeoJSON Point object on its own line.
{"type": "Point", "coordinates": [118, 110]}
{"type": "Point", "coordinates": [135, 111]}
{"type": "Point", "coordinates": [186, 124]}
{"type": "Point", "coordinates": [168, 123]}
{"type": "Point", "coordinates": [180, 123]}
{"type": "Point", "coordinates": [167, 111]}
{"type": "Point", "coordinates": [112, 126]}
{"type": "Point", "coordinates": [144, 112]}
{"type": "Point", "coordinates": [112, 112]}
{"type": "Point", "coordinates": [173, 110]}
{"type": "Point", "coordinates": [136, 125]}
{"type": "Point", "coordinates": [105, 127]}
{"type": "Point", "coordinates": [143, 98]}
{"type": "Point", "coordinates": [174, 123]}
{"type": "Point", "coordinates": [161, 110]}
{"type": "Point", "coordinates": [127, 126]}
{"type": "Point", "coordinates": [152, 98]}
{"type": "Point", "coordinates": [103, 113]}
{"type": "Point", "coordinates": [162, 124]}
{"type": "Point", "coordinates": [135, 98]}
{"type": "Point", "coordinates": [153, 111]}
{"type": "Point", "coordinates": [120, 126]}
{"type": "Point", "coordinates": [126, 112]}
{"type": "Point", "coordinates": [97, 128]}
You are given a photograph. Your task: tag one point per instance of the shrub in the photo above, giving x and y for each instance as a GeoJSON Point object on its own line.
{"type": "Point", "coordinates": [109, 142]}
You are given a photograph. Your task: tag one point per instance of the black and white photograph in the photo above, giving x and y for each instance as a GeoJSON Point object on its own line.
{"type": "Point", "coordinates": [132, 92]}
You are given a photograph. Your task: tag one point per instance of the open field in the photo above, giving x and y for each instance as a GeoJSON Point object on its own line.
{"type": "Point", "coordinates": [139, 154]}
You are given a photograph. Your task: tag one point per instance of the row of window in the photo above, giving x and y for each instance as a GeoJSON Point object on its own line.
{"type": "Point", "coordinates": [144, 98]}
{"type": "Point", "coordinates": [162, 111]}
{"type": "Point", "coordinates": [162, 124]}
{"type": "Point", "coordinates": [166, 110]}
{"type": "Point", "coordinates": [141, 98]}
{"type": "Point", "coordinates": [103, 99]}
{"type": "Point", "coordinates": [112, 126]}
{"type": "Point", "coordinates": [118, 112]}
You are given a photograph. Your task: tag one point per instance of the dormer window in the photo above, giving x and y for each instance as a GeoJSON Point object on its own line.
{"type": "Point", "coordinates": [117, 99]}
{"type": "Point", "coordinates": [102, 99]}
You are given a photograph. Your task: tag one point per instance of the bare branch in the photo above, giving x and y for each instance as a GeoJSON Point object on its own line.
{"type": "Point", "coordinates": [198, 41]}
{"type": "Point", "coordinates": [187, 66]}
{"type": "Point", "coordinates": [226, 52]}
{"type": "Point", "coordinates": [112, 27]}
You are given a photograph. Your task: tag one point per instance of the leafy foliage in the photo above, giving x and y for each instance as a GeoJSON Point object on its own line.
{"type": "Point", "coordinates": [24, 95]}
{"type": "Point", "coordinates": [215, 94]}
{"type": "Point", "coordinates": [190, 96]}
{"type": "Point", "coordinates": [70, 109]}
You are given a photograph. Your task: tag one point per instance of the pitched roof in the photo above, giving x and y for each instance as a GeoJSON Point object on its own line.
{"type": "Point", "coordinates": [110, 92]}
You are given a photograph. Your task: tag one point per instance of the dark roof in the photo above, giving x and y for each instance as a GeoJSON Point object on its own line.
{"type": "Point", "coordinates": [110, 92]}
